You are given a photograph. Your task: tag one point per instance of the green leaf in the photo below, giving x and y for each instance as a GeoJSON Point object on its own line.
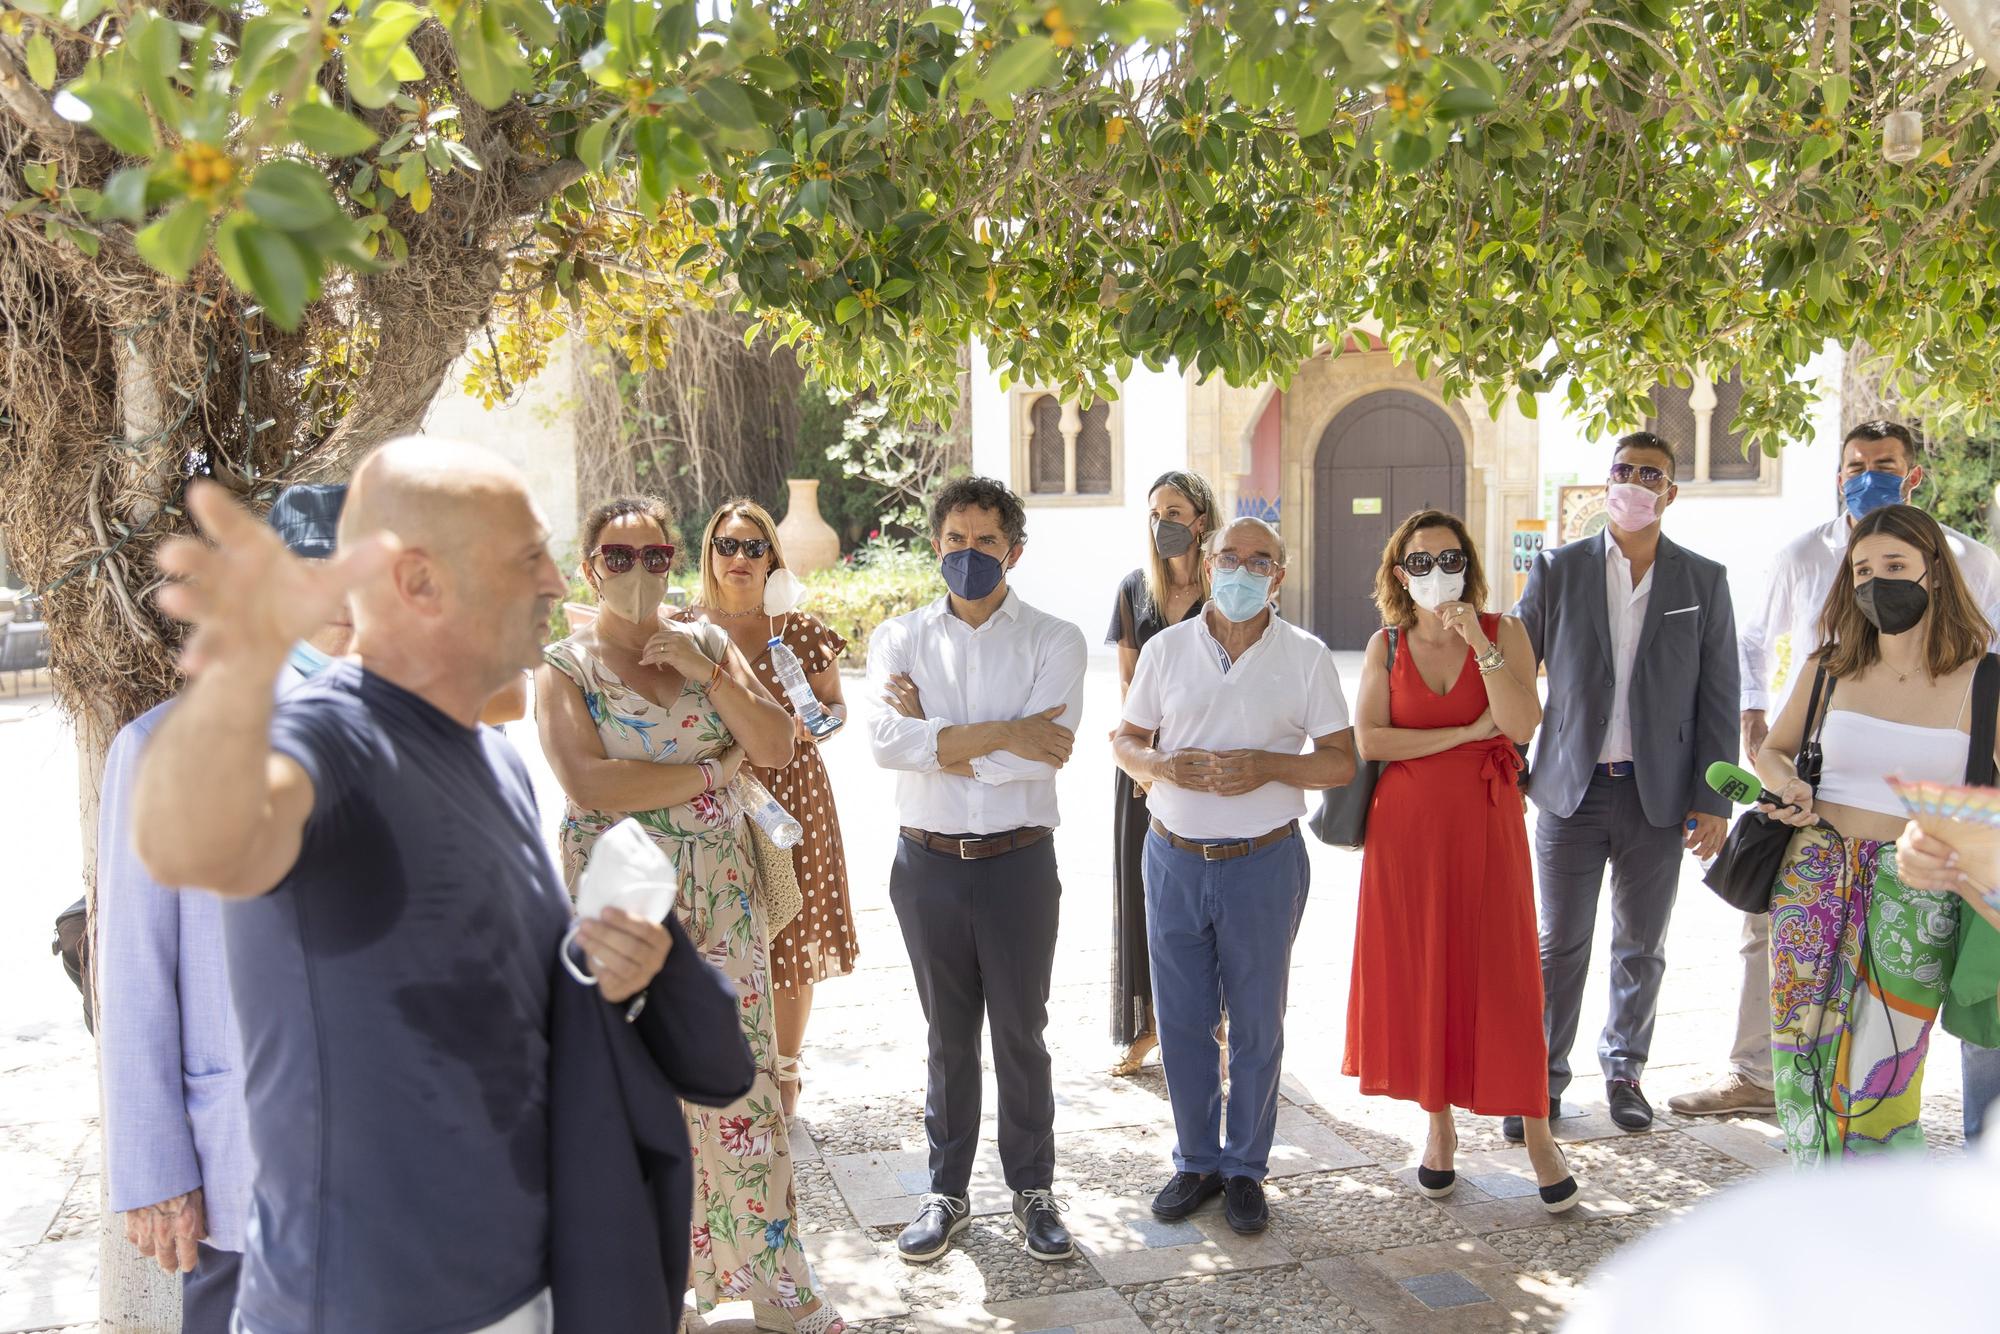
{"type": "Point", "coordinates": [847, 309]}
{"type": "Point", "coordinates": [266, 265]}
{"type": "Point", "coordinates": [1311, 112]}
{"type": "Point", "coordinates": [290, 196]}
{"type": "Point", "coordinates": [894, 288]}
{"type": "Point", "coordinates": [125, 193]}
{"type": "Point", "coordinates": [772, 72]}
{"type": "Point", "coordinates": [1836, 89]}
{"type": "Point", "coordinates": [118, 117]}
{"type": "Point", "coordinates": [489, 57]}
{"type": "Point", "coordinates": [1024, 63]}
{"type": "Point", "coordinates": [330, 130]}
{"type": "Point", "coordinates": [1142, 20]}
{"type": "Point", "coordinates": [946, 18]}
{"type": "Point", "coordinates": [1815, 151]}
{"type": "Point", "coordinates": [594, 143]}
{"type": "Point", "coordinates": [41, 55]}
{"type": "Point", "coordinates": [1460, 101]}
{"type": "Point", "coordinates": [173, 244]}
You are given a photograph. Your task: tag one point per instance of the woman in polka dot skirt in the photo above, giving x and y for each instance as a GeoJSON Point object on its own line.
{"type": "Point", "coordinates": [739, 552]}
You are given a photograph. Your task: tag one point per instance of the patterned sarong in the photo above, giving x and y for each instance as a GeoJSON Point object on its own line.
{"type": "Point", "coordinates": [1859, 967]}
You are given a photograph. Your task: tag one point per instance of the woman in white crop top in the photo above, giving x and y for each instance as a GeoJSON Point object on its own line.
{"type": "Point", "coordinates": [1851, 1011]}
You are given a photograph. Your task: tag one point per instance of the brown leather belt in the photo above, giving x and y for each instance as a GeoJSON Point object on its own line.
{"type": "Point", "coordinates": [972, 847]}
{"type": "Point", "coordinates": [1222, 850]}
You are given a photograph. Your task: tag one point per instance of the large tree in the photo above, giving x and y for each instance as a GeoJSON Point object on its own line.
{"type": "Point", "coordinates": [249, 240]}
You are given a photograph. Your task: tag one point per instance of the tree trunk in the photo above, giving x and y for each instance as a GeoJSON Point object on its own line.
{"type": "Point", "coordinates": [132, 1291]}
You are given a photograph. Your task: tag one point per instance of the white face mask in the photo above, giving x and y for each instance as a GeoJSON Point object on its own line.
{"type": "Point", "coordinates": [1433, 590]}
{"type": "Point", "coordinates": [626, 871]}
{"type": "Point", "coordinates": [782, 592]}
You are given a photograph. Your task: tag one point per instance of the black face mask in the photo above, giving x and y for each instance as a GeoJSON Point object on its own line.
{"type": "Point", "coordinates": [1171, 539]}
{"type": "Point", "coordinates": [1893, 606]}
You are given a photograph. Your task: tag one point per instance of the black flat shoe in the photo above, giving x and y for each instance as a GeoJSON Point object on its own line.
{"type": "Point", "coordinates": [1561, 1197]}
{"type": "Point", "coordinates": [1514, 1132]}
{"type": "Point", "coordinates": [1629, 1108]}
{"type": "Point", "coordinates": [1038, 1213]}
{"type": "Point", "coordinates": [1243, 1205]}
{"type": "Point", "coordinates": [1187, 1192]}
{"type": "Point", "coordinates": [1435, 1183]}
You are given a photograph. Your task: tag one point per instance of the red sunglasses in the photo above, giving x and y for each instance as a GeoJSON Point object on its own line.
{"type": "Point", "coordinates": [619, 557]}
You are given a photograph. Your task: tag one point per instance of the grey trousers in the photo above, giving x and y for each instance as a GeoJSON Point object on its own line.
{"type": "Point", "coordinates": [1751, 1056]}
{"type": "Point", "coordinates": [982, 941]}
{"type": "Point", "coordinates": [1609, 826]}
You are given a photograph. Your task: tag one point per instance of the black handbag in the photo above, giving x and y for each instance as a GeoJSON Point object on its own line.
{"type": "Point", "coordinates": [1342, 817]}
{"type": "Point", "coordinates": [1745, 872]}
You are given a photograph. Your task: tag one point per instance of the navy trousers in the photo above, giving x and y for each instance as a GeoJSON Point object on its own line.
{"type": "Point", "coordinates": [1222, 931]}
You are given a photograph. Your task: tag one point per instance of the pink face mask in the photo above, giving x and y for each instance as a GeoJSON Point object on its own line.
{"type": "Point", "coordinates": [1631, 506]}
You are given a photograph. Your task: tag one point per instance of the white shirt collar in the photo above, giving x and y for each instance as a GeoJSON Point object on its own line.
{"type": "Point", "coordinates": [1010, 607]}
{"type": "Point", "coordinates": [1834, 533]}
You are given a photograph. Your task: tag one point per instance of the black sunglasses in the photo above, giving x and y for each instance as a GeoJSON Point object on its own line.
{"type": "Point", "coordinates": [756, 548]}
{"type": "Point", "coordinates": [618, 557]}
{"type": "Point", "coordinates": [1419, 563]}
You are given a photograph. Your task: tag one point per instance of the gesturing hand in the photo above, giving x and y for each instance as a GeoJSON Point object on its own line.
{"type": "Point", "coordinates": [625, 952]}
{"type": "Point", "coordinates": [169, 1231]}
{"type": "Point", "coordinates": [903, 696]}
{"type": "Point", "coordinates": [1040, 737]}
{"type": "Point", "coordinates": [247, 597]}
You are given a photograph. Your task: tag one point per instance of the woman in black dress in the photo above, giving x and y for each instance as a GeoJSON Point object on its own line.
{"type": "Point", "coordinates": [1171, 586]}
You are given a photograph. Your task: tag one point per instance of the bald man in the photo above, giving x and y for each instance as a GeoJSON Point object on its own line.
{"type": "Point", "coordinates": [397, 911]}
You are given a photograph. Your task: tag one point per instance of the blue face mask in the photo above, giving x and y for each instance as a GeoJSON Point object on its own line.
{"type": "Point", "coordinates": [971, 574]}
{"type": "Point", "coordinates": [1870, 491]}
{"type": "Point", "coordinates": [1239, 594]}
{"type": "Point", "coordinates": [307, 660]}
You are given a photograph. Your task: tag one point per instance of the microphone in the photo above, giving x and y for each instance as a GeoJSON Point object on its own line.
{"type": "Point", "coordinates": [1738, 785]}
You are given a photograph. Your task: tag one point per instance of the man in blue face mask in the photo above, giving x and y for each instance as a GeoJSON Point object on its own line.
{"type": "Point", "coordinates": [978, 696]}
{"type": "Point", "coordinates": [175, 1122]}
{"type": "Point", "coordinates": [1880, 464]}
{"type": "Point", "coordinates": [1232, 717]}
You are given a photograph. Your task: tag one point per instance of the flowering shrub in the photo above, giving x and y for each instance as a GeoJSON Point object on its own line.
{"type": "Point", "coordinates": [882, 579]}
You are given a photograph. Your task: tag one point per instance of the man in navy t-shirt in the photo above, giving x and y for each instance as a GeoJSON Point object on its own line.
{"type": "Point", "coordinates": [398, 911]}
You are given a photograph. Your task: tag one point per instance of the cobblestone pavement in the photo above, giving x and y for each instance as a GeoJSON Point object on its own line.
{"type": "Point", "coordinates": [1352, 1245]}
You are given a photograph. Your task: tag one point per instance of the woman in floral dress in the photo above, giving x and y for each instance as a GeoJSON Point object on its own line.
{"type": "Point", "coordinates": [740, 555]}
{"type": "Point", "coordinates": [650, 718]}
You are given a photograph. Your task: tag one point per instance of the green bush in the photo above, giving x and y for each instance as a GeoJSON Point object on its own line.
{"type": "Point", "coordinates": [881, 580]}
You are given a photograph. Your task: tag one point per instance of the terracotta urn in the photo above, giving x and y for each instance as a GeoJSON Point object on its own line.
{"type": "Point", "coordinates": [810, 542]}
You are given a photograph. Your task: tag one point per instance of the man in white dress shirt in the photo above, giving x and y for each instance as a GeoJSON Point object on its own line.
{"type": "Point", "coordinates": [977, 698]}
{"type": "Point", "coordinates": [1232, 717]}
{"type": "Point", "coordinates": [1880, 464]}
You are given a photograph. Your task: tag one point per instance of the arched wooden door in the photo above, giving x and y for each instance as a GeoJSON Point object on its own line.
{"type": "Point", "coordinates": [1382, 458]}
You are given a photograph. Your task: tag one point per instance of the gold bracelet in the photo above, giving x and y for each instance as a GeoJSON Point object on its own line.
{"type": "Point", "coordinates": [714, 680]}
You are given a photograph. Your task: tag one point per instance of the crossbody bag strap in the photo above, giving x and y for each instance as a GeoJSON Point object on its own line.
{"type": "Point", "coordinates": [1979, 762]}
{"type": "Point", "coordinates": [1811, 759]}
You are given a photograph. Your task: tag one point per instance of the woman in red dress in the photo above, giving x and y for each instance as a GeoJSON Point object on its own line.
{"type": "Point", "coordinates": [1445, 1009]}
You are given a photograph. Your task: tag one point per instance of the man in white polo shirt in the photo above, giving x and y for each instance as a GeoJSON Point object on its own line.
{"type": "Point", "coordinates": [1232, 717]}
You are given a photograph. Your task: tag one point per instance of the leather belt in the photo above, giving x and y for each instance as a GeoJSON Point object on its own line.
{"type": "Point", "coordinates": [1222, 850]}
{"type": "Point", "coordinates": [972, 847]}
{"type": "Point", "coordinates": [1615, 769]}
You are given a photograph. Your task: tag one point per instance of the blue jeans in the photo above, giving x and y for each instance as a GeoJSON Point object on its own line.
{"type": "Point", "coordinates": [1982, 1086]}
{"type": "Point", "coordinates": [1216, 930]}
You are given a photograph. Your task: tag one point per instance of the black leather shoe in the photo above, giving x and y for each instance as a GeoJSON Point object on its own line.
{"type": "Point", "coordinates": [1512, 1130]}
{"type": "Point", "coordinates": [1629, 1108]}
{"type": "Point", "coordinates": [1243, 1205]}
{"type": "Point", "coordinates": [1187, 1192]}
{"type": "Point", "coordinates": [1038, 1213]}
{"type": "Point", "coordinates": [939, 1219]}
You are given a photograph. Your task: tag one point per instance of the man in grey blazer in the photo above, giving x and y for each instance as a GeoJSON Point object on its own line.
{"type": "Point", "coordinates": [1639, 642]}
{"type": "Point", "coordinates": [176, 1126]}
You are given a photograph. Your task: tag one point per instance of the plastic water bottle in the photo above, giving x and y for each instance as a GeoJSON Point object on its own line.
{"type": "Point", "coordinates": [792, 676]}
{"type": "Point", "coordinates": [758, 804]}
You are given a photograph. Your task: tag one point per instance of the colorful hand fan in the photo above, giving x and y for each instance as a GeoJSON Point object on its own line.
{"type": "Point", "coordinates": [1968, 818]}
